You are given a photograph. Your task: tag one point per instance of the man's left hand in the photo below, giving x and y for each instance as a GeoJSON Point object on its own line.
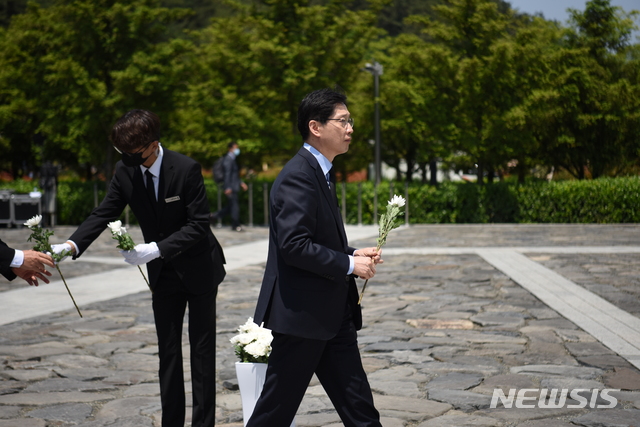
{"type": "Point", "coordinates": [372, 253]}
{"type": "Point", "coordinates": [31, 276]}
{"type": "Point", "coordinates": [141, 254]}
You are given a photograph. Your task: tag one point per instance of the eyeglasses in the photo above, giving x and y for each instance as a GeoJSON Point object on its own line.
{"type": "Point", "coordinates": [139, 151]}
{"type": "Point", "coordinates": [343, 122]}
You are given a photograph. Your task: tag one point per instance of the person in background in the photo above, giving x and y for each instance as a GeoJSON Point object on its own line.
{"type": "Point", "coordinates": [232, 184]}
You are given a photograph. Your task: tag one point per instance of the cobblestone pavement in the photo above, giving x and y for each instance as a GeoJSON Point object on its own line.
{"type": "Point", "coordinates": [442, 332]}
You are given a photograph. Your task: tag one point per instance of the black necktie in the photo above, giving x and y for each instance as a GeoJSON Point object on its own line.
{"type": "Point", "coordinates": [151, 189]}
{"type": "Point", "coordinates": [332, 186]}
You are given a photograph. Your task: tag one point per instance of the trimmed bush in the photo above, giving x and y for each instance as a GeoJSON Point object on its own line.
{"type": "Point", "coordinates": [605, 200]}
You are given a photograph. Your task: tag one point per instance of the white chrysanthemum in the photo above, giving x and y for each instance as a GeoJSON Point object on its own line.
{"type": "Point", "coordinates": [253, 339]}
{"type": "Point", "coordinates": [34, 222]}
{"type": "Point", "coordinates": [399, 201]}
{"type": "Point", "coordinates": [257, 349]}
{"type": "Point", "coordinates": [116, 227]}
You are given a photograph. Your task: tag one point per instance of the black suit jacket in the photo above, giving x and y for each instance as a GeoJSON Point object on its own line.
{"type": "Point", "coordinates": [179, 223]}
{"type": "Point", "coordinates": [305, 286]}
{"type": "Point", "coordinates": [6, 256]}
{"type": "Point", "coordinates": [231, 173]}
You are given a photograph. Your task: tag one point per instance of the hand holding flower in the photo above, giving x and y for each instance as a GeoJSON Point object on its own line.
{"type": "Point", "coordinates": [125, 242]}
{"type": "Point", "coordinates": [141, 254]}
{"type": "Point", "coordinates": [41, 237]}
{"type": "Point", "coordinates": [386, 224]}
{"type": "Point", "coordinates": [373, 253]}
{"type": "Point", "coordinates": [62, 250]}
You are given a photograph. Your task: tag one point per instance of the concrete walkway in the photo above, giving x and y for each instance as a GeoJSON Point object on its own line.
{"type": "Point", "coordinates": [455, 313]}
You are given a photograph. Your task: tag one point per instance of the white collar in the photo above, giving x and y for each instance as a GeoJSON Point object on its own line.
{"type": "Point", "coordinates": [324, 163]}
{"type": "Point", "coordinates": [155, 167]}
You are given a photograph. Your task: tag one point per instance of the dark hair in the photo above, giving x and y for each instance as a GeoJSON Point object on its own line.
{"type": "Point", "coordinates": [135, 129]}
{"type": "Point", "coordinates": [318, 105]}
{"type": "Point", "coordinates": [231, 144]}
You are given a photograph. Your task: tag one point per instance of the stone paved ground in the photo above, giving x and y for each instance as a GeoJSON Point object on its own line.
{"type": "Point", "coordinates": [442, 332]}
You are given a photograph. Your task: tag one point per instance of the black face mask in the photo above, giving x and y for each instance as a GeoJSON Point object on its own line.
{"type": "Point", "coordinates": [133, 160]}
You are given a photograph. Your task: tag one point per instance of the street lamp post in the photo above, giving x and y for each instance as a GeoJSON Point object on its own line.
{"type": "Point", "coordinates": [376, 70]}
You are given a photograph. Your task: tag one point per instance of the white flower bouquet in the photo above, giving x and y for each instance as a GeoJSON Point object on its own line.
{"type": "Point", "coordinates": [41, 237]}
{"type": "Point", "coordinates": [125, 242]}
{"type": "Point", "coordinates": [253, 343]}
{"type": "Point", "coordinates": [388, 221]}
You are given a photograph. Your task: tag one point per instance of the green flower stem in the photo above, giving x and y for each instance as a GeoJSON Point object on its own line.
{"type": "Point", "coordinates": [68, 290]}
{"type": "Point", "coordinates": [145, 279]}
{"type": "Point", "coordinates": [386, 224]}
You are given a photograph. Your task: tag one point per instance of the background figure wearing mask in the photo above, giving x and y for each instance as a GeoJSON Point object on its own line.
{"type": "Point", "coordinates": [231, 185]}
{"type": "Point", "coordinates": [49, 184]}
{"type": "Point", "coordinates": [165, 191]}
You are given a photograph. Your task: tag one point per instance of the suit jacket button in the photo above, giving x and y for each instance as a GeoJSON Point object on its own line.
{"type": "Point", "coordinates": [161, 234]}
{"type": "Point", "coordinates": [346, 278]}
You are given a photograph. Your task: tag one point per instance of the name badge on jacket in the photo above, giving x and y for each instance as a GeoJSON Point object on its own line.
{"type": "Point", "coordinates": [172, 199]}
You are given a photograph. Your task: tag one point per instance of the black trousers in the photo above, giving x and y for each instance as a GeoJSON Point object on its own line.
{"type": "Point", "coordinates": [170, 300]}
{"type": "Point", "coordinates": [233, 208]}
{"type": "Point", "coordinates": [338, 366]}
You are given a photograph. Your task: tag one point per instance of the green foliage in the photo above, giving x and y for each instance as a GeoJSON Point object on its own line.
{"type": "Point", "coordinates": [19, 186]}
{"type": "Point", "coordinates": [466, 82]}
{"type": "Point", "coordinates": [70, 70]}
{"type": "Point", "coordinates": [75, 200]}
{"type": "Point", "coordinates": [604, 200]}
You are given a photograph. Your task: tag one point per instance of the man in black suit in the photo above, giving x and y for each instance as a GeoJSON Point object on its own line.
{"type": "Point", "coordinates": [231, 185]}
{"type": "Point", "coordinates": [165, 191]}
{"type": "Point", "coordinates": [28, 265]}
{"type": "Point", "coordinates": [309, 297]}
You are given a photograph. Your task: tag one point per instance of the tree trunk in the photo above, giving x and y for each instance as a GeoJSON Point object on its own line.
{"type": "Point", "coordinates": [491, 174]}
{"type": "Point", "coordinates": [433, 169]}
{"type": "Point", "coordinates": [410, 165]}
{"type": "Point", "coordinates": [480, 173]}
{"type": "Point", "coordinates": [423, 172]}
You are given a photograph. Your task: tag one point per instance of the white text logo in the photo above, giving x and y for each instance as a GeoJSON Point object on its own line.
{"type": "Point", "coordinates": [554, 398]}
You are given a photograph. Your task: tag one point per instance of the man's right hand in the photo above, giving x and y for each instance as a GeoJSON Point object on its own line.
{"type": "Point", "coordinates": [59, 248]}
{"type": "Point", "coordinates": [35, 261]}
{"type": "Point", "coordinates": [364, 267]}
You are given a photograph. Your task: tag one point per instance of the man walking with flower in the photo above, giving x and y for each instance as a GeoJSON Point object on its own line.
{"type": "Point", "coordinates": [165, 191]}
{"type": "Point", "coordinates": [309, 297]}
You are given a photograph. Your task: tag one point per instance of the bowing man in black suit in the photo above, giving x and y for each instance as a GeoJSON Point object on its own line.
{"type": "Point", "coordinates": [28, 265]}
{"type": "Point", "coordinates": [165, 191]}
{"type": "Point", "coordinates": [309, 297]}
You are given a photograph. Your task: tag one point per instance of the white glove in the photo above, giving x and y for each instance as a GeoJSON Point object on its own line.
{"type": "Point", "coordinates": [59, 248]}
{"type": "Point", "coordinates": [142, 253]}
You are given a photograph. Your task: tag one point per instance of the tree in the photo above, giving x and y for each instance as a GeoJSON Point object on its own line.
{"type": "Point", "coordinates": [470, 29]}
{"type": "Point", "coordinates": [417, 101]}
{"type": "Point", "coordinates": [252, 70]}
{"type": "Point", "coordinates": [72, 69]}
{"type": "Point", "coordinates": [590, 106]}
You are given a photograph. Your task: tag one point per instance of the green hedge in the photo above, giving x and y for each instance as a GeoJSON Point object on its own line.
{"type": "Point", "coordinates": [606, 200]}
